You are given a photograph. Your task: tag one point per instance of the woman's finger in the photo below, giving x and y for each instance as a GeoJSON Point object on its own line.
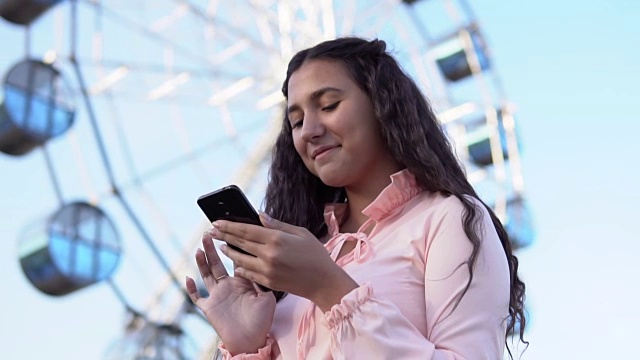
{"type": "Point", "coordinates": [215, 265]}
{"type": "Point", "coordinates": [253, 276]}
{"type": "Point", "coordinates": [192, 290]}
{"type": "Point", "coordinates": [242, 260]}
{"type": "Point", "coordinates": [269, 223]}
{"type": "Point", "coordinates": [204, 269]}
{"type": "Point", "coordinates": [248, 232]}
{"type": "Point", "coordinates": [246, 245]}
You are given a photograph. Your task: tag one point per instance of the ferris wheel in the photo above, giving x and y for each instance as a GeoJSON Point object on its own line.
{"type": "Point", "coordinates": [139, 107]}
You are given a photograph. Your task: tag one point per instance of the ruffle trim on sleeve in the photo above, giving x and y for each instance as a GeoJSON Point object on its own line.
{"type": "Point", "coordinates": [263, 353]}
{"type": "Point", "coordinates": [349, 304]}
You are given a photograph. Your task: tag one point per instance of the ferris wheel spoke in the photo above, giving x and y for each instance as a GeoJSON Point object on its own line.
{"type": "Point", "coordinates": [225, 25]}
{"type": "Point", "coordinates": [146, 31]}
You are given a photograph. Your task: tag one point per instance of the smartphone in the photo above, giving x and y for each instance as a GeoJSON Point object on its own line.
{"type": "Point", "coordinates": [230, 203]}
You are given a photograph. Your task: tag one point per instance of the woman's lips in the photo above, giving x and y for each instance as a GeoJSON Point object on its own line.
{"type": "Point", "coordinates": [322, 151]}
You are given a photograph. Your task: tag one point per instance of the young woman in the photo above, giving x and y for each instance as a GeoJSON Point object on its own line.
{"type": "Point", "coordinates": [370, 227]}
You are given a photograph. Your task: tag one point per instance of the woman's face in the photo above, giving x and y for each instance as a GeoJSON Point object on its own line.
{"type": "Point", "coordinates": [334, 127]}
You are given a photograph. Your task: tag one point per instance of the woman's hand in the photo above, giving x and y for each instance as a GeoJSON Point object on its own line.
{"type": "Point", "coordinates": [240, 314]}
{"type": "Point", "coordinates": [287, 258]}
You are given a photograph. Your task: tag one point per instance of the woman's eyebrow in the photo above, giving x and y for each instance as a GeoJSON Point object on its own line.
{"type": "Point", "coordinates": [315, 96]}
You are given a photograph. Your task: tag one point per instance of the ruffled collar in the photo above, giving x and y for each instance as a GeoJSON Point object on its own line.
{"type": "Point", "coordinates": [403, 187]}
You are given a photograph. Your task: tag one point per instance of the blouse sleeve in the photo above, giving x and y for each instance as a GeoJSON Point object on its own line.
{"type": "Point", "coordinates": [366, 327]}
{"type": "Point", "coordinates": [267, 352]}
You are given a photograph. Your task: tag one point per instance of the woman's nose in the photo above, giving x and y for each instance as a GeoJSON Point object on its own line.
{"type": "Point", "coordinates": [312, 128]}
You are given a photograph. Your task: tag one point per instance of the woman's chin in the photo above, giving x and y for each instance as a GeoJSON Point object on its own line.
{"type": "Point", "coordinates": [332, 180]}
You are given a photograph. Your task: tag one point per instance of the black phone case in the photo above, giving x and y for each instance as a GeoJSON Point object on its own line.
{"type": "Point", "coordinates": [230, 203]}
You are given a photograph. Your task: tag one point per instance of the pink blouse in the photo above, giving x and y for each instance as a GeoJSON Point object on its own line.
{"type": "Point", "coordinates": [411, 270]}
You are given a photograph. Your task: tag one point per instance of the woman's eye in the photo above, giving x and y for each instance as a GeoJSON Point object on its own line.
{"type": "Point", "coordinates": [331, 107]}
{"type": "Point", "coordinates": [296, 124]}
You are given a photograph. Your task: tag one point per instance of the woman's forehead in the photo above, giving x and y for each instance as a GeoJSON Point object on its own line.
{"type": "Point", "coordinates": [315, 75]}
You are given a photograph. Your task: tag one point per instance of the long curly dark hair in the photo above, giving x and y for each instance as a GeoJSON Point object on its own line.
{"type": "Point", "coordinates": [414, 139]}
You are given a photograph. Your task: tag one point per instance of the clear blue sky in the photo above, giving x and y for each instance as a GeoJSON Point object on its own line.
{"type": "Point", "coordinates": [572, 68]}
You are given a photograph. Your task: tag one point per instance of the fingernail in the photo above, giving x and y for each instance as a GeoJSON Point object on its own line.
{"type": "Point", "coordinates": [216, 225]}
{"type": "Point", "coordinates": [223, 248]}
{"type": "Point", "coordinates": [265, 216]}
{"type": "Point", "coordinates": [212, 232]}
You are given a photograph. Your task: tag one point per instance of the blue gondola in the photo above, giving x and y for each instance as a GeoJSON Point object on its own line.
{"type": "Point", "coordinates": [77, 246]}
{"type": "Point", "coordinates": [519, 224]}
{"type": "Point", "coordinates": [479, 145]}
{"type": "Point", "coordinates": [453, 60]}
{"type": "Point", "coordinates": [24, 12]}
{"type": "Point", "coordinates": [146, 340]}
{"type": "Point", "coordinates": [36, 107]}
